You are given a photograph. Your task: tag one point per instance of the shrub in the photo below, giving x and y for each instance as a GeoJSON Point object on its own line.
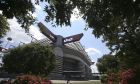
{"type": "Point", "coordinates": [104, 78]}
{"type": "Point", "coordinates": [30, 79]}
{"type": "Point", "coordinates": [113, 78]}
{"type": "Point", "coordinates": [34, 59]}
{"type": "Point", "coordinates": [131, 76]}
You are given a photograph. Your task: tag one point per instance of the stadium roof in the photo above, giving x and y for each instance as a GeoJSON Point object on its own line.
{"type": "Point", "coordinates": [73, 45]}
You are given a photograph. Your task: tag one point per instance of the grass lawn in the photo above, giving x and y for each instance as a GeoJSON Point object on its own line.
{"type": "Point", "coordinates": [90, 82]}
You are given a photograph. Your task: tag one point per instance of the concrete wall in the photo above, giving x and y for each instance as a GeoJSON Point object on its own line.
{"type": "Point", "coordinates": [70, 60]}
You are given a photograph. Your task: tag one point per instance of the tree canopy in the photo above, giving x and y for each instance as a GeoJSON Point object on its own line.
{"type": "Point", "coordinates": [119, 25]}
{"type": "Point", "coordinates": [4, 27]}
{"type": "Point", "coordinates": [20, 9]}
{"type": "Point", "coordinates": [34, 59]}
{"type": "Point", "coordinates": [117, 21]}
{"type": "Point", "coordinates": [107, 63]}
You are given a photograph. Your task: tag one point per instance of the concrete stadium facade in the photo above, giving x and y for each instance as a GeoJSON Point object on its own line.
{"type": "Point", "coordinates": [72, 62]}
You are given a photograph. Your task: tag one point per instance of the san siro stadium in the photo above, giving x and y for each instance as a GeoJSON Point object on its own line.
{"type": "Point", "coordinates": [71, 58]}
{"type": "Point", "coordinates": [72, 61]}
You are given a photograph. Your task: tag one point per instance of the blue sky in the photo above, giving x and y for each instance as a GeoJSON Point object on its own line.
{"type": "Point", "coordinates": [93, 46]}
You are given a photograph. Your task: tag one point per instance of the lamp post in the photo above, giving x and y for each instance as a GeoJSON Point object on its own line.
{"type": "Point", "coordinates": [9, 39]}
{"type": "Point", "coordinates": [12, 46]}
{"type": "Point", "coordinates": [21, 42]}
{"type": "Point", "coordinates": [31, 37]}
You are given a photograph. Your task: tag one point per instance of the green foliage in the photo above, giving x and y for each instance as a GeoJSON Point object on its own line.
{"type": "Point", "coordinates": [107, 63]}
{"type": "Point", "coordinates": [27, 79]}
{"type": "Point", "coordinates": [3, 25]}
{"type": "Point", "coordinates": [20, 9]}
{"type": "Point", "coordinates": [117, 21]}
{"type": "Point", "coordinates": [104, 79]}
{"type": "Point", "coordinates": [30, 59]}
{"type": "Point", "coordinates": [59, 12]}
{"type": "Point", "coordinates": [30, 79]}
{"type": "Point", "coordinates": [134, 75]}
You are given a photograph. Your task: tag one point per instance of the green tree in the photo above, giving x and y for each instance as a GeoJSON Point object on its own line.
{"type": "Point", "coordinates": [107, 63]}
{"type": "Point", "coordinates": [58, 12]}
{"type": "Point", "coordinates": [117, 21]}
{"type": "Point", "coordinates": [34, 59]}
{"type": "Point", "coordinates": [20, 9]}
{"type": "Point", "coordinates": [4, 27]}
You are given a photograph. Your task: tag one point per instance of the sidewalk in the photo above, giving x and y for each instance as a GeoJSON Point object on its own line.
{"type": "Point", "coordinates": [64, 81]}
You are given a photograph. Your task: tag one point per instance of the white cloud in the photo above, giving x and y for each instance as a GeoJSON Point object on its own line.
{"type": "Point", "coordinates": [94, 54]}
{"type": "Point", "coordinates": [92, 51]}
{"type": "Point", "coordinates": [76, 15]}
{"type": "Point", "coordinates": [38, 7]}
{"type": "Point", "coordinates": [18, 34]}
{"type": "Point", "coordinates": [36, 32]}
{"type": "Point", "coordinates": [0, 12]}
{"type": "Point", "coordinates": [37, 10]}
{"type": "Point", "coordinates": [74, 18]}
{"type": "Point", "coordinates": [94, 68]}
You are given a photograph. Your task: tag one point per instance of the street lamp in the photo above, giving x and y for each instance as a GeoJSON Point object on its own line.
{"type": "Point", "coordinates": [9, 39]}
{"type": "Point", "coordinates": [12, 46]}
{"type": "Point", "coordinates": [21, 42]}
{"type": "Point", "coordinates": [31, 37]}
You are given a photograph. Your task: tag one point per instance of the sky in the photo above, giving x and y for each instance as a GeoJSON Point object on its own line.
{"type": "Point", "coordinates": [93, 46]}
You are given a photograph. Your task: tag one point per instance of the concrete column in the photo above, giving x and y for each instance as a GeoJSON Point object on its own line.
{"type": "Point", "coordinates": [57, 73]}
{"type": "Point", "coordinates": [59, 41]}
